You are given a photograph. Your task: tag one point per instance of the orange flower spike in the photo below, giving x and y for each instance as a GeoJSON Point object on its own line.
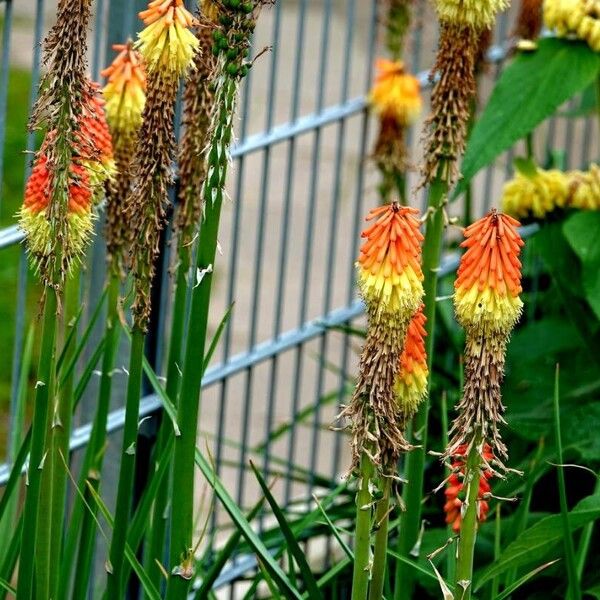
{"type": "Point", "coordinates": [411, 386]}
{"type": "Point", "coordinates": [396, 94]}
{"type": "Point", "coordinates": [488, 281]}
{"type": "Point", "coordinates": [125, 90]}
{"type": "Point", "coordinates": [389, 263]}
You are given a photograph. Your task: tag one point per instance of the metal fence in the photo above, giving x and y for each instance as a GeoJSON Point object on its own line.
{"type": "Point", "coordinates": [300, 184]}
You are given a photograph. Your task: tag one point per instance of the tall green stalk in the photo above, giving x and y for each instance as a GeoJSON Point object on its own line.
{"type": "Point", "coordinates": [232, 44]}
{"type": "Point", "coordinates": [382, 521]}
{"type": "Point", "coordinates": [95, 451]}
{"type": "Point", "coordinates": [468, 526]}
{"type": "Point", "coordinates": [156, 543]}
{"type": "Point", "coordinates": [410, 519]}
{"type": "Point", "coordinates": [127, 468]}
{"type": "Point", "coordinates": [30, 547]}
{"type": "Point", "coordinates": [362, 542]}
{"type": "Point", "coordinates": [60, 431]}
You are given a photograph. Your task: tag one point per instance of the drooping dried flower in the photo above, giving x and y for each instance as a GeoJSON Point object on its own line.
{"type": "Point", "coordinates": [389, 278]}
{"type": "Point", "coordinates": [198, 104]}
{"type": "Point", "coordinates": [535, 194]}
{"type": "Point", "coordinates": [168, 53]}
{"type": "Point", "coordinates": [395, 94]}
{"type": "Point", "coordinates": [488, 306]}
{"type": "Point", "coordinates": [411, 385]}
{"type": "Point", "coordinates": [455, 490]}
{"type": "Point", "coordinates": [478, 14]}
{"type": "Point", "coordinates": [166, 42]}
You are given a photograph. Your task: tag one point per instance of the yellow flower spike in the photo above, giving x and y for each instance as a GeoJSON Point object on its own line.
{"type": "Point", "coordinates": [584, 188]}
{"type": "Point", "coordinates": [579, 18]}
{"type": "Point", "coordinates": [411, 385]}
{"type": "Point", "coordinates": [389, 270]}
{"type": "Point", "coordinates": [167, 41]}
{"type": "Point", "coordinates": [125, 90]}
{"type": "Point", "coordinates": [488, 283]}
{"type": "Point", "coordinates": [535, 194]}
{"type": "Point", "coordinates": [395, 93]}
{"type": "Point", "coordinates": [478, 14]}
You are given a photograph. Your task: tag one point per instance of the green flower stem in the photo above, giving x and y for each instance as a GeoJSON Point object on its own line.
{"type": "Point", "coordinates": [156, 544]}
{"type": "Point", "coordinates": [127, 470]}
{"type": "Point", "coordinates": [410, 520]}
{"type": "Point", "coordinates": [187, 413]}
{"type": "Point", "coordinates": [94, 457]}
{"type": "Point", "coordinates": [468, 526]}
{"type": "Point", "coordinates": [60, 433]}
{"type": "Point", "coordinates": [30, 543]}
{"type": "Point", "coordinates": [382, 520]}
{"type": "Point", "coordinates": [362, 545]}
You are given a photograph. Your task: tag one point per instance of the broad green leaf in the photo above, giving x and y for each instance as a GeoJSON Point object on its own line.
{"type": "Point", "coordinates": [529, 91]}
{"type": "Point", "coordinates": [534, 543]}
{"type": "Point", "coordinates": [582, 231]}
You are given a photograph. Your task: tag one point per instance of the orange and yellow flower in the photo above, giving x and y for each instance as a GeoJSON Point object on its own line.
{"type": "Point", "coordinates": [167, 41]}
{"type": "Point", "coordinates": [389, 270]}
{"type": "Point", "coordinates": [396, 94]}
{"type": "Point", "coordinates": [94, 142]}
{"type": "Point", "coordinates": [125, 91]}
{"type": "Point", "coordinates": [35, 221]}
{"type": "Point", "coordinates": [488, 283]}
{"type": "Point", "coordinates": [411, 386]}
{"type": "Point", "coordinates": [455, 489]}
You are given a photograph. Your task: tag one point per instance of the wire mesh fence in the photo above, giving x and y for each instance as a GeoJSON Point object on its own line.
{"type": "Point", "coordinates": [300, 183]}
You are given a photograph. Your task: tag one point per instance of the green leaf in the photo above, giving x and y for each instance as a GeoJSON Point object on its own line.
{"type": "Point", "coordinates": [525, 166]}
{"type": "Point", "coordinates": [242, 524]}
{"type": "Point", "coordinates": [534, 543]}
{"type": "Point", "coordinates": [582, 231]}
{"type": "Point", "coordinates": [517, 584]}
{"type": "Point", "coordinates": [529, 91]}
{"type": "Point", "coordinates": [7, 587]}
{"type": "Point", "coordinates": [292, 544]}
{"type": "Point", "coordinates": [215, 340]}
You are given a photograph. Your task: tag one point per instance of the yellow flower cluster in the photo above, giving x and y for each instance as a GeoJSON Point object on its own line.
{"type": "Point", "coordinates": [167, 41]}
{"type": "Point", "coordinates": [396, 93]}
{"type": "Point", "coordinates": [580, 18]}
{"type": "Point", "coordinates": [478, 14]}
{"type": "Point", "coordinates": [536, 195]}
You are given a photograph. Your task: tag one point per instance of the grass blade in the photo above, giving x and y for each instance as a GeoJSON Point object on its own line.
{"type": "Point", "coordinates": [253, 540]}
{"type": "Point", "coordinates": [292, 544]}
{"type": "Point", "coordinates": [216, 337]}
{"type": "Point", "coordinates": [224, 554]}
{"type": "Point", "coordinates": [574, 587]}
{"type": "Point", "coordinates": [414, 565]}
{"type": "Point", "coordinates": [7, 587]}
{"type": "Point", "coordinates": [512, 588]}
{"type": "Point", "coordinates": [335, 532]}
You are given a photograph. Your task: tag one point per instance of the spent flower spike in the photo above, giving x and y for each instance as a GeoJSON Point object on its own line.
{"type": "Point", "coordinates": [125, 90]}
{"type": "Point", "coordinates": [396, 93]}
{"type": "Point", "coordinates": [167, 42]}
